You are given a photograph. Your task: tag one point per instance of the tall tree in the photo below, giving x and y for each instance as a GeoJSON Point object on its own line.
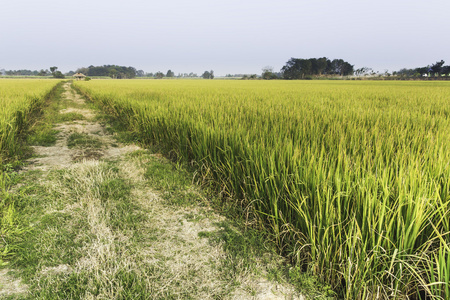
{"type": "Point", "coordinates": [437, 67]}
{"type": "Point", "coordinates": [170, 73]}
{"type": "Point", "coordinates": [446, 70]}
{"type": "Point", "coordinates": [208, 74]}
{"type": "Point", "coordinates": [267, 73]}
{"type": "Point", "coordinates": [321, 65]}
{"type": "Point", "coordinates": [112, 71]}
{"type": "Point", "coordinates": [292, 69]}
{"type": "Point", "coordinates": [55, 73]}
{"type": "Point", "coordinates": [363, 71]}
{"type": "Point", "coordinates": [205, 75]}
{"type": "Point", "coordinates": [297, 68]}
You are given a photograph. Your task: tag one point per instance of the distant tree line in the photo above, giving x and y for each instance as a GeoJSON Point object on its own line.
{"type": "Point", "coordinates": [298, 68]}
{"type": "Point", "coordinates": [113, 71]}
{"type": "Point", "coordinates": [20, 72]}
{"type": "Point", "coordinates": [235, 75]}
{"type": "Point", "coordinates": [171, 74]}
{"type": "Point", "coordinates": [25, 72]}
{"type": "Point", "coordinates": [157, 75]}
{"type": "Point", "coordinates": [436, 69]}
{"type": "Point", "coordinates": [268, 74]}
{"type": "Point", "coordinates": [53, 72]}
{"type": "Point", "coordinates": [187, 75]}
{"type": "Point", "coordinates": [251, 77]}
{"type": "Point", "coordinates": [56, 73]}
{"type": "Point", "coordinates": [295, 68]}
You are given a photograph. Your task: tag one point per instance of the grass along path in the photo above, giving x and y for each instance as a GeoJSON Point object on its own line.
{"type": "Point", "coordinates": [105, 220]}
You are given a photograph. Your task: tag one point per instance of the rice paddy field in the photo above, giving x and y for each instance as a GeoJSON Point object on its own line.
{"type": "Point", "coordinates": [18, 99]}
{"type": "Point", "coordinates": [351, 178]}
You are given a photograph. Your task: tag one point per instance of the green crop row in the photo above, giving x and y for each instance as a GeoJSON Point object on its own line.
{"type": "Point", "coordinates": [352, 178]}
{"type": "Point", "coordinates": [18, 99]}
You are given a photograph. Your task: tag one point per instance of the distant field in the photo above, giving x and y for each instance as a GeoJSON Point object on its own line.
{"type": "Point", "coordinates": [352, 178]}
{"type": "Point", "coordinates": [18, 99]}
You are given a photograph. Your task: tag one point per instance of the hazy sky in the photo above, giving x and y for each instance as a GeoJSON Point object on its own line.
{"type": "Point", "coordinates": [227, 36]}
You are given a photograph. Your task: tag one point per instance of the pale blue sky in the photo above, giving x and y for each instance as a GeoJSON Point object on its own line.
{"type": "Point", "coordinates": [232, 36]}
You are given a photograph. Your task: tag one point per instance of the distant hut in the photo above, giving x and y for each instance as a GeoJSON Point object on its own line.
{"type": "Point", "coordinates": [79, 76]}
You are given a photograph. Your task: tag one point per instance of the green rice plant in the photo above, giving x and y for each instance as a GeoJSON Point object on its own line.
{"type": "Point", "coordinates": [18, 100]}
{"type": "Point", "coordinates": [351, 178]}
{"type": "Point", "coordinates": [438, 268]}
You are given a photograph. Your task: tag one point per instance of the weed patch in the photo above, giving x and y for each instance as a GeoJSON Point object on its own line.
{"type": "Point", "coordinates": [68, 117]}
{"type": "Point", "coordinates": [82, 140]}
{"type": "Point", "coordinates": [175, 183]}
{"type": "Point", "coordinates": [45, 137]}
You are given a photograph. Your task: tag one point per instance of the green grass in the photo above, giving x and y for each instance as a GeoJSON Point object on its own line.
{"type": "Point", "coordinates": [82, 140]}
{"type": "Point", "coordinates": [46, 137]}
{"type": "Point", "coordinates": [67, 117]}
{"type": "Point", "coordinates": [113, 126]}
{"type": "Point", "coordinates": [173, 182]}
{"type": "Point", "coordinates": [310, 284]}
{"type": "Point", "coordinates": [13, 226]}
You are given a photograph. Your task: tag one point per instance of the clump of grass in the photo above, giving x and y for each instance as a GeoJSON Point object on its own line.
{"type": "Point", "coordinates": [311, 285]}
{"type": "Point", "coordinates": [12, 228]}
{"type": "Point", "coordinates": [68, 117]}
{"type": "Point", "coordinates": [46, 137]}
{"type": "Point", "coordinates": [173, 182]}
{"type": "Point", "coordinates": [114, 127]}
{"type": "Point", "coordinates": [83, 140]}
{"type": "Point", "coordinates": [245, 249]}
